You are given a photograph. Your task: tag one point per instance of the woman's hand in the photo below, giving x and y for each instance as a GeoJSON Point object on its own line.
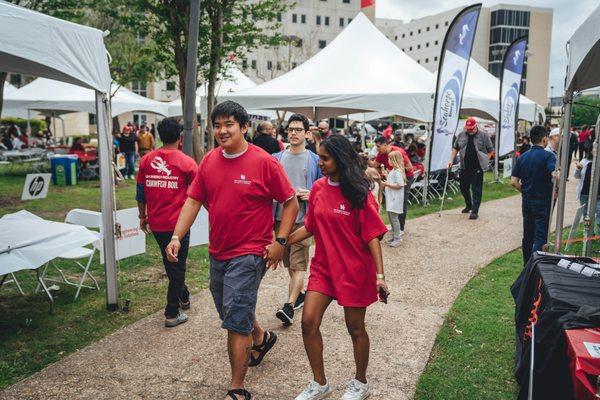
{"type": "Point", "coordinates": [381, 284]}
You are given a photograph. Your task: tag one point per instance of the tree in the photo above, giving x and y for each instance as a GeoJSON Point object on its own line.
{"type": "Point", "coordinates": [585, 111]}
{"type": "Point", "coordinates": [227, 27]}
{"type": "Point", "coordinates": [64, 9]}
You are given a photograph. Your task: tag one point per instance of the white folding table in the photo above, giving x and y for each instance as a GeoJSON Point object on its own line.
{"type": "Point", "coordinates": [28, 242]}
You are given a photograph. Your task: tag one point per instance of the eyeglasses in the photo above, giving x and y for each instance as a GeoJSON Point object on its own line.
{"type": "Point", "coordinates": [295, 130]}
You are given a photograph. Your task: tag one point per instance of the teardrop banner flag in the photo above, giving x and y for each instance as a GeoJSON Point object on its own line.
{"type": "Point", "coordinates": [454, 62]}
{"type": "Point", "coordinates": [510, 89]}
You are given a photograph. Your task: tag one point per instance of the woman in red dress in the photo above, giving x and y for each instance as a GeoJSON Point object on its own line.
{"type": "Point", "coordinates": [347, 266]}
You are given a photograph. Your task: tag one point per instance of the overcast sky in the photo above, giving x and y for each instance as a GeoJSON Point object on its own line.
{"type": "Point", "coordinates": [568, 15]}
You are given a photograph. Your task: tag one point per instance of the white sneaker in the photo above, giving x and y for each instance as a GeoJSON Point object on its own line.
{"type": "Point", "coordinates": [401, 233]}
{"type": "Point", "coordinates": [395, 243]}
{"type": "Point", "coordinates": [357, 390]}
{"type": "Point", "coordinates": [314, 391]}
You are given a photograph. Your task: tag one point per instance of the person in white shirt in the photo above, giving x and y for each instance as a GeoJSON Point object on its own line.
{"type": "Point", "coordinates": [16, 142]}
{"type": "Point", "coordinates": [394, 195]}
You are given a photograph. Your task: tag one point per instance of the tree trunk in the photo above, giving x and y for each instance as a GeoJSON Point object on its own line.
{"type": "Point", "coordinates": [3, 76]}
{"type": "Point", "coordinates": [215, 65]}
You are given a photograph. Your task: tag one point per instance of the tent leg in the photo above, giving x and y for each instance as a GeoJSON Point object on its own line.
{"type": "Point", "coordinates": [107, 201]}
{"type": "Point", "coordinates": [426, 175]}
{"type": "Point", "coordinates": [564, 160]}
{"type": "Point", "coordinates": [591, 211]}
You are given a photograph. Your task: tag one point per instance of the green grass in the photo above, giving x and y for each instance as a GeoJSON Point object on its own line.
{"type": "Point", "coordinates": [473, 355]}
{"type": "Point", "coordinates": [491, 191]}
{"type": "Point", "coordinates": [33, 334]}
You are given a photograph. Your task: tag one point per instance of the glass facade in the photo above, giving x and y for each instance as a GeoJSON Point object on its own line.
{"type": "Point", "coordinates": [505, 27]}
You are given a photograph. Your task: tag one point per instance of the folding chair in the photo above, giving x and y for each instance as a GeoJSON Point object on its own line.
{"type": "Point", "coordinates": [89, 219]}
{"type": "Point", "coordinates": [416, 189]}
{"type": "Point", "coordinates": [13, 280]}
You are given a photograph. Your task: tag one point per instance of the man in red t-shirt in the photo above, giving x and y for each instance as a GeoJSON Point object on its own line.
{"type": "Point", "coordinates": [237, 183]}
{"type": "Point", "coordinates": [163, 179]}
{"type": "Point", "coordinates": [384, 148]}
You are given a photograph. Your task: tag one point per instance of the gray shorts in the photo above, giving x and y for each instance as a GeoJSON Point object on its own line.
{"type": "Point", "coordinates": [234, 286]}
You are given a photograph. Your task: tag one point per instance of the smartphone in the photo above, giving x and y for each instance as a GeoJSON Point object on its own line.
{"type": "Point", "coordinates": [383, 295]}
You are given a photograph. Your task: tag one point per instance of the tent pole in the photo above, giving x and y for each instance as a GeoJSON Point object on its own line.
{"type": "Point", "coordinates": [497, 152]}
{"type": "Point", "coordinates": [426, 175]}
{"type": "Point", "coordinates": [590, 221]}
{"type": "Point", "coordinates": [28, 121]}
{"type": "Point", "coordinates": [564, 160]}
{"type": "Point", "coordinates": [107, 201]}
{"type": "Point", "coordinates": [189, 108]}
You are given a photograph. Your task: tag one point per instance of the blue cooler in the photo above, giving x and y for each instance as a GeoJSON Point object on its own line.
{"type": "Point", "coordinates": [64, 169]}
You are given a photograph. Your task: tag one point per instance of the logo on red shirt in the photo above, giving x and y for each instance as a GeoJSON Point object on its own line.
{"type": "Point", "coordinates": [160, 165]}
{"type": "Point", "coordinates": [242, 180]}
{"type": "Point", "coordinates": [341, 210]}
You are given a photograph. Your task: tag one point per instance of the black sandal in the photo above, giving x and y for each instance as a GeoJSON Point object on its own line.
{"type": "Point", "coordinates": [232, 393]}
{"type": "Point", "coordinates": [268, 342]}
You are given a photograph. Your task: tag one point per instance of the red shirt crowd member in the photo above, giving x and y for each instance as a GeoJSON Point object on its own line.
{"type": "Point", "coordinates": [384, 149]}
{"type": "Point", "coordinates": [347, 266]}
{"type": "Point", "coordinates": [237, 183]}
{"type": "Point", "coordinates": [163, 178]}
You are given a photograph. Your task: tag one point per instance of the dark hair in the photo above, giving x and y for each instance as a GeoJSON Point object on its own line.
{"type": "Point", "coordinates": [169, 130]}
{"type": "Point", "coordinates": [228, 109]}
{"type": "Point", "coordinates": [381, 140]}
{"type": "Point", "coordinates": [354, 184]}
{"type": "Point", "coordinates": [537, 134]}
{"type": "Point", "coordinates": [301, 118]}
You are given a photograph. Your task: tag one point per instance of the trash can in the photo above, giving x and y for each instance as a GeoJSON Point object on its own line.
{"type": "Point", "coordinates": [64, 169]}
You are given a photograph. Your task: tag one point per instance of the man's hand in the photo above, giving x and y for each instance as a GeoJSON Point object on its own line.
{"type": "Point", "coordinates": [303, 194]}
{"type": "Point", "coordinates": [173, 250]}
{"type": "Point", "coordinates": [578, 165]}
{"type": "Point", "coordinates": [144, 225]}
{"type": "Point", "coordinates": [273, 254]}
{"type": "Point", "coordinates": [450, 164]}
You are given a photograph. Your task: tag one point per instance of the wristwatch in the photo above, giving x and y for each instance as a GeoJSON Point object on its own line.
{"type": "Point", "coordinates": [282, 241]}
{"type": "Point", "coordinates": [175, 237]}
{"type": "Point", "coordinates": [381, 276]}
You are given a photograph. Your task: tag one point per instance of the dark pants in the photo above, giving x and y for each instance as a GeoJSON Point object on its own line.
{"type": "Point", "coordinates": [130, 164]}
{"type": "Point", "coordinates": [536, 215]}
{"type": "Point", "coordinates": [177, 291]}
{"type": "Point", "coordinates": [402, 217]}
{"type": "Point", "coordinates": [471, 181]}
{"type": "Point", "coordinates": [581, 150]}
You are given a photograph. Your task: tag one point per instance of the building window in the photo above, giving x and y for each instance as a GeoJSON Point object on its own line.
{"type": "Point", "coordinates": [436, 42]}
{"type": "Point", "coordinates": [410, 48]}
{"type": "Point", "coordinates": [244, 64]}
{"type": "Point", "coordinates": [427, 61]}
{"type": "Point", "coordinates": [427, 44]}
{"type": "Point", "coordinates": [403, 35]}
{"type": "Point", "coordinates": [435, 58]}
{"type": "Point", "coordinates": [437, 26]}
{"type": "Point", "coordinates": [396, 38]}
{"type": "Point", "coordinates": [294, 18]}
{"type": "Point", "coordinates": [139, 87]}
{"type": "Point", "coordinates": [419, 31]}
{"type": "Point", "coordinates": [322, 44]}
{"type": "Point", "coordinates": [171, 85]}
{"type": "Point", "coordinates": [347, 1]}
{"type": "Point", "coordinates": [303, 18]}
{"type": "Point", "coordinates": [318, 20]}
{"type": "Point", "coordinates": [269, 65]}
{"type": "Point", "coordinates": [253, 64]}
{"type": "Point", "coordinates": [402, 49]}
{"type": "Point", "coordinates": [278, 66]}
{"type": "Point", "coordinates": [326, 21]}
{"type": "Point", "coordinates": [294, 65]}
{"type": "Point", "coordinates": [411, 33]}
{"type": "Point", "coordinates": [427, 29]}
{"type": "Point", "coordinates": [446, 23]}
{"type": "Point", "coordinates": [342, 22]}
{"type": "Point", "coordinates": [418, 46]}
{"type": "Point", "coordinates": [279, 17]}
{"type": "Point", "coordinates": [91, 119]}
{"type": "Point", "coordinates": [419, 61]}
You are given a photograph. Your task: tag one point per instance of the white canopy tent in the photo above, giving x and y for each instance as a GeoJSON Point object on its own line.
{"type": "Point", "coordinates": [487, 87]}
{"type": "Point", "coordinates": [234, 82]}
{"type": "Point", "coordinates": [8, 88]}
{"type": "Point", "coordinates": [354, 73]}
{"type": "Point", "coordinates": [7, 112]}
{"type": "Point", "coordinates": [36, 44]}
{"type": "Point", "coordinates": [47, 95]}
{"type": "Point", "coordinates": [583, 72]}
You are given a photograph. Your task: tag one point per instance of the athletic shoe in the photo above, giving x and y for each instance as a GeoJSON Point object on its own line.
{"type": "Point", "coordinates": [357, 390]}
{"type": "Point", "coordinates": [314, 391]}
{"type": "Point", "coordinates": [300, 301]}
{"type": "Point", "coordinates": [466, 210]}
{"type": "Point", "coordinates": [179, 319]}
{"type": "Point", "coordinates": [286, 314]}
{"type": "Point", "coordinates": [395, 243]}
{"type": "Point", "coordinates": [473, 215]}
{"type": "Point", "coordinates": [401, 233]}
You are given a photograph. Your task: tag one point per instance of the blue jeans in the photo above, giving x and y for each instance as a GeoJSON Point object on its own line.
{"type": "Point", "coordinates": [536, 215]}
{"type": "Point", "coordinates": [129, 164]}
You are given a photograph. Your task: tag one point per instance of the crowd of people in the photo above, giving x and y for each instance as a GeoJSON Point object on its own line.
{"type": "Point", "coordinates": [133, 142]}
{"type": "Point", "coordinates": [13, 138]}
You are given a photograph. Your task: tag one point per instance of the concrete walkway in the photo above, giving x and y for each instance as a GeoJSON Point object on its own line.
{"type": "Point", "coordinates": [425, 274]}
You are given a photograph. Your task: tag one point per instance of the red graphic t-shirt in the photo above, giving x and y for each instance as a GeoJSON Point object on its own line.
{"type": "Point", "coordinates": [166, 175]}
{"type": "Point", "coordinates": [238, 194]}
{"type": "Point", "coordinates": [382, 158]}
{"type": "Point", "coordinates": [342, 267]}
